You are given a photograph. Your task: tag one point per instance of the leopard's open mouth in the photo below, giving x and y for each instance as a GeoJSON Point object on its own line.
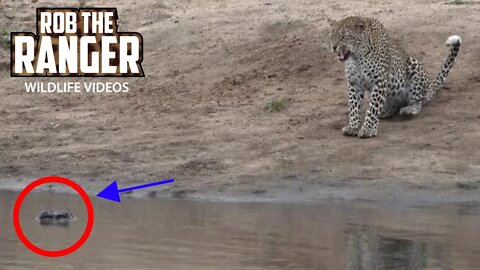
{"type": "Point", "coordinates": [343, 55]}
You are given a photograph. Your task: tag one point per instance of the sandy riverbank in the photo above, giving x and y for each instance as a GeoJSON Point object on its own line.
{"type": "Point", "coordinates": [198, 116]}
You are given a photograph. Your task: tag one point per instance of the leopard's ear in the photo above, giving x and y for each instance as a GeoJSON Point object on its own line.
{"type": "Point", "coordinates": [331, 22]}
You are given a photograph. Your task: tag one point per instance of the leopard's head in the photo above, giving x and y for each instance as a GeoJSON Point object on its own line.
{"type": "Point", "coordinates": [347, 37]}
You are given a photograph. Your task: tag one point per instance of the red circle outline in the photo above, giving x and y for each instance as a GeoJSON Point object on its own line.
{"type": "Point", "coordinates": [18, 227]}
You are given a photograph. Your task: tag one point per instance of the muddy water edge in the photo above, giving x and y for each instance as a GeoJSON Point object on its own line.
{"type": "Point", "coordinates": [180, 234]}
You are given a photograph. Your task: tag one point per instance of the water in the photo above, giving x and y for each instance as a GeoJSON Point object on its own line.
{"type": "Point", "coordinates": [159, 234]}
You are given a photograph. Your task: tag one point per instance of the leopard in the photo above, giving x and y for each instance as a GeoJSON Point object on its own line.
{"type": "Point", "coordinates": [376, 65]}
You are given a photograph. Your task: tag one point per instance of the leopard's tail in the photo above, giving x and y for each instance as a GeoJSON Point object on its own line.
{"type": "Point", "coordinates": [453, 44]}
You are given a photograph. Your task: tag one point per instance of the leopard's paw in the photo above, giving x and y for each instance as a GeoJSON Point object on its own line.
{"type": "Point", "coordinates": [366, 132]}
{"type": "Point", "coordinates": [350, 130]}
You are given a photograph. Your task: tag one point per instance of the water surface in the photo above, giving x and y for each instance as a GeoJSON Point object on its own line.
{"type": "Point", "coordinates": [174, 234]}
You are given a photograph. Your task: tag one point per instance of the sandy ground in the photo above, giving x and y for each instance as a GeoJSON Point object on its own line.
{"type": "Point", "coordinates": [198, 115]}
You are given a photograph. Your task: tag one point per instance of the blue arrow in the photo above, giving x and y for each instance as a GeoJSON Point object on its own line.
{"type": "Point", "coordinates": [111, 192]}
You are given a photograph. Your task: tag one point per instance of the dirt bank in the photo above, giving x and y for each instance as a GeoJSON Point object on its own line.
{"type": "Point", "coordinates": [198, 115]}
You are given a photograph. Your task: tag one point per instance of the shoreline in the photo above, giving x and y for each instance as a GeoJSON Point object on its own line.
{"type": "Point", "coordinates": [398, 193]}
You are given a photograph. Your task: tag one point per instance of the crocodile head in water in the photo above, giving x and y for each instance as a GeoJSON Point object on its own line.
{"type": "Point", "coordinates": [49, 216]}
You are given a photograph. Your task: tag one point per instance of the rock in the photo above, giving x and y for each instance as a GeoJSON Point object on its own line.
{"type": "Point", "coordinates": [238, 80]}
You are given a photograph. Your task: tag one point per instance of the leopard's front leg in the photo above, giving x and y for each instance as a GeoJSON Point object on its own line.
{"type": "Point", "coordinates": [369, 128]}
{"type": "Point", "coordinates": [355, 100]}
